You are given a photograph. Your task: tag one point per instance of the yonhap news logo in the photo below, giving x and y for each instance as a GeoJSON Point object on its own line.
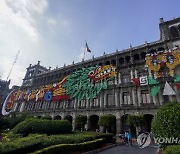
{"type": "Point", "coordinates": [144, 140]}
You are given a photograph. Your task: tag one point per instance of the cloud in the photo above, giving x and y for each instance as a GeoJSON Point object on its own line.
{"type": "Point", "coordinates": [19, 29]}
{"type": "Point", "coordinates": [28, 26]}
{"type": "Point", "coordinates": [21, 15]}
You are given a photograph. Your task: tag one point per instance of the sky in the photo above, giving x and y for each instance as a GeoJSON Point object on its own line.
{"type": "Point", "coordinates": [55, 31]}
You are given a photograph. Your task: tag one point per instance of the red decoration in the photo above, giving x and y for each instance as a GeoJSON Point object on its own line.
{"type": "Point", "coordinates": [178, 86]}
{"type": "Point", "coordinates": [61, 97]}
{"type": "Point", "coordinates": [136, 81]}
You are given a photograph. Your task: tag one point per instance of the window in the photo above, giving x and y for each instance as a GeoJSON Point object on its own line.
{"type": "Point", "coordinates": [110, 100]}
{"type": "Point", "coordinates": [126, 78]}
{"type": "Point", "coordinates": [113, 62]}
{"type": "Point", "coordinates": [174, 32]}
{"type": "Point", "coordinates": [61, 103]}
{"type": "Point", "coordinates": [128, 59]}
{"type": "Point", "coordinates": [121, 60]}
{"type": "Point", "coordinates": [143, 55]}
{"type": "Point", "coordinates": [145, 97]}
{"type": "Point", "coordinates": [144, 73]}
{"type": "Point", "coordinates": [179, 27]}
{"type": "Point", "coordinates": [166, 98]}
{"type": "Point", "coordinates": [83, 103]}
{"type": "Point", "coordinates": [95, 102]}
{"type": "Point", "coordinates": [136, 57]}
{"type": "Point", "coordinates": [110, 82]}
{"type": "Point", "coordinates": [70, 103]}
{"type": "Point", "coordinates": [126, 98]}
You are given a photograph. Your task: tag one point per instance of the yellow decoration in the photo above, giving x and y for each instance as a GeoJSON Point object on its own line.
{"type": "Point", "coordinates": [153, 67]}
{"type": "Point", "coordinates": [170, 59]}
{"type": "Point", "coordinates": [176, 61]}
{"type": "Point", "coordinates": [33, 94]}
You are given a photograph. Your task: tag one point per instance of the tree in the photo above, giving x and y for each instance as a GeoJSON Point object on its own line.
{"type": "Point", "coordinates": [107, 121]}
{"type": "Point", "coordinates": [136, 121]}
{"type": "Point", "coordinates": [166, 122]}
{"type": "Point", "coordinates": [80, 122]}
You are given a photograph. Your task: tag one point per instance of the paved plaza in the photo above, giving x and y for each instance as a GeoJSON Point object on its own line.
{"type": "Point", "coordinates": [122, 149]}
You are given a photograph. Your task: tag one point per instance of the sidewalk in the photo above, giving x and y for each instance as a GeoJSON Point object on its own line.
{"type": "Point", "coordinates": [120, 141]}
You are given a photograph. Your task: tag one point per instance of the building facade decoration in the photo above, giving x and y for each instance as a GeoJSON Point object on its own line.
{"type": "Point", "coordinates": [77, 85]}
{"type": "Point", "coordinates": [118, 84]}
{"type": "Point", "coordinates": [87, 83]}
{"type": "Point", "coordinates": [156, 61]}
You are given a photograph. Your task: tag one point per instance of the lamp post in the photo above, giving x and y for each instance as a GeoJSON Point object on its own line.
{"type": "Point", "coordinates": [124, 120]}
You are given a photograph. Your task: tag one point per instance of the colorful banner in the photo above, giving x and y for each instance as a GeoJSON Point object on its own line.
{"type": "Point", "coordinates": [155, 90]}
{"type": "Point", "coordinates": [152, 81]}
{"type": "Point", "coordinates": [85, 83]}
{"type": "Point", "coordinates": [168, 90]}
{"type": "Point", "coordinates": [8, 103]}
{"type": "Point", "coordinates": [143, 80]}
{"type": "Point", "coordinates": [156, 61]}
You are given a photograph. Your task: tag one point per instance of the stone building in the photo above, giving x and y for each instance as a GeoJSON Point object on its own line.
{"type": "Point", "coordinates": [131, 81]}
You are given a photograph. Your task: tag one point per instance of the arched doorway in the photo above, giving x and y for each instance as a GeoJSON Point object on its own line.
{"type": "Point", "coordinates": [69, 118]}
{"type": "Point", "coordinates": [148, 120]}
{"type": "Point", "coordinates": [125, 126]}
{"type": "Point", "coordinates": [93, 122]}
{"type": "Point", "coordinates": [57, 117]}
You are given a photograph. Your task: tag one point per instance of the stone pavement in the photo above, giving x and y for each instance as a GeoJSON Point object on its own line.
{"type": "Point", "coordinates": [121, 148]}
{"type": "Point", "coordinates": [125, 149]}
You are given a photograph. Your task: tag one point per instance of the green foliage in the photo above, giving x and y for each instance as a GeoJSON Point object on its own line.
{"type": "Point", "coordinates": [80, 121]}
{"type": "Point", "coordinates": [89, 145]}
{"type": "Point", "coordinates": [32, 125]}
{"type": "Point", "coordinates": [135, 121]}
{"type": "Point", "coordinates": [35, 142]}
{"type": "Point", "coordinates": [166, 122]}
{"type": "Point", "coordinates": [21, 145]}
{"type": "Point", "coordinates": [106, 120]}
{"type": "Point", "coordinates": [78, 84]}
{"type": "Point", "coordinates": [172, 149]}
{"type": "Point", "coordinates": [10, 122]}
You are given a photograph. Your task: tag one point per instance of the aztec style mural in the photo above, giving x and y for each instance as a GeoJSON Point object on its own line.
{"type": "Point", "coordinates": [158, 60]}
{"type": "Point", "coordinates": [85, 83]}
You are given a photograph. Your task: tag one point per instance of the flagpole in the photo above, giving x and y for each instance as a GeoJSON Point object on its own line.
{"type": "Point", "coordinates": [84, 54]}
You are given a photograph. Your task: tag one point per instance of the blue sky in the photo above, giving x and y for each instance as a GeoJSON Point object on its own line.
{"type": "Point", "coordinates": [55, 31]}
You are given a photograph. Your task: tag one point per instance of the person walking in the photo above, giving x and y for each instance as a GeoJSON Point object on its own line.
{"type": "Point", "coordinates": [129, 137]}
{"type": "Point", "coordinates": [126, 137]}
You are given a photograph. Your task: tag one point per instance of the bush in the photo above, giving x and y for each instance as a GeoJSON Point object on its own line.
{"type": "Point", "coordinates": [22, 145]}
{"type": "Point", "coordinates": [166, 121]}
{"type": "Point", "coordinates": [42, 126]}
{"type": "Point", "coordinates": [172, 149]}
{"type": "Point", "coordinates": [80, 122]}
{"type": "Point", "coordinates": [135, 121]}
{"type": "Point", "coordinates": [10, 122]}
{"type": "Point", "coordinates": [35, 142]}
{"type": "Point", "coordinates": [72, 147]}
{"type": "Point", "coordinates": [107, 121]}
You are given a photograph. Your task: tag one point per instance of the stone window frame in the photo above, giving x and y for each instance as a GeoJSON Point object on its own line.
{"type": "Point", "coordinates": [126, 97]}
{"type": "Point", "coordinates": [145, 95]}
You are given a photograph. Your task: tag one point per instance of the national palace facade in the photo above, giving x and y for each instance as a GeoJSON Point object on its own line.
{"type": "Point", "coordinates": [135, 81]}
